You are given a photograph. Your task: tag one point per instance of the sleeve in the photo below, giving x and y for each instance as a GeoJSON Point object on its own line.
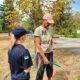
{"type": "Point", "coordinates": [26, 60]}
{"type": "Point", "coordinates": [37, 32]}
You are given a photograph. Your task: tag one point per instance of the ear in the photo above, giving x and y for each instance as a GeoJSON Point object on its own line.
{"type": "Point", "coordinates": [23, 37]}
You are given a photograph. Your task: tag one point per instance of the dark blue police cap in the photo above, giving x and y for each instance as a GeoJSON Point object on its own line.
{"type": "Point", "coordinates": [20, 31]}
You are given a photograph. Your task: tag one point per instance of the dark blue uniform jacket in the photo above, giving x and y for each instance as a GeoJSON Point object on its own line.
{"type": "Point", "coordinates": [19, 59]}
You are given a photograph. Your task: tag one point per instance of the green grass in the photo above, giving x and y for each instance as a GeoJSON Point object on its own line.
{"type": "Point", "coordinates": [78, 78]}
{"type": "Point", "coordinates": [78, 36]}
{"type": "Point", "coordinates": [73, 36]}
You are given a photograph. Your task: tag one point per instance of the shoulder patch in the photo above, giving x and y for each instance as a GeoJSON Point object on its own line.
{"type": "Point", "coordinates": [26, 57]}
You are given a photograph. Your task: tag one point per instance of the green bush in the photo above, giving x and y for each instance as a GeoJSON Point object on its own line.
{"type": "Point", "coordinates": [1, 28]}
{"type": "Point", "coordinates": [1, 31]}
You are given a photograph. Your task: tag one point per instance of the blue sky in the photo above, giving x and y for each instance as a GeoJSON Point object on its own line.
{"type": "Point", "coordinates": [75, 6]}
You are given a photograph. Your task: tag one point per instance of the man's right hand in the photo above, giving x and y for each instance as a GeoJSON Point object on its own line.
{"type": "Point", "coordinates": [46, 61]}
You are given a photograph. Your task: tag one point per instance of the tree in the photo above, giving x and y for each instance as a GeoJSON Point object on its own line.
{"type": "Point", "coordinates": [12, 16]}
{"type": "Point", "coordinates": [76, 17]}
{"type": "Point", "coordinates": [2, 17]}
{"type": "Point", "coordinates": [63, 17]}
{"type": "Point", "coordinates": [60, 9]}
{"type": "Point", "coordinates": [33, 9]}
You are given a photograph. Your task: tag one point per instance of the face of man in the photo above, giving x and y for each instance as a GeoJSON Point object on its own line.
{"type": "Point", "coordinates": [45, 23]}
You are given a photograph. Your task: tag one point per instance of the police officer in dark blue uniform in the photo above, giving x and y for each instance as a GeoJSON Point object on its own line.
{"type": "Point", "coordinates": [19, 58]}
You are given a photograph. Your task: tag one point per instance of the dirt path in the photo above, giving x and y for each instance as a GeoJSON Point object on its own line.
{"type": "Point", "coordinates": [69, 62]}
{"type": "Point", "coordinates": [3, 58]}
